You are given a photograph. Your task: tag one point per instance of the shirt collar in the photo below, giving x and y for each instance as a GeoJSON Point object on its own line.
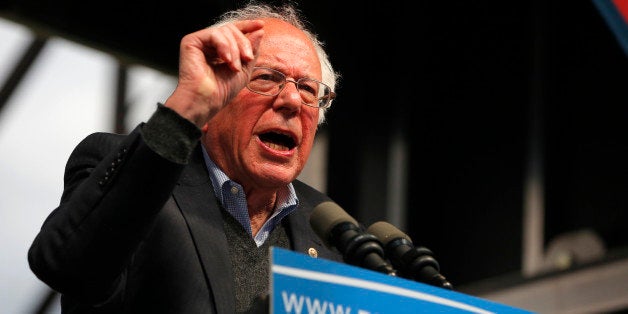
{"type": "Point", "coordinates": [232, 198]}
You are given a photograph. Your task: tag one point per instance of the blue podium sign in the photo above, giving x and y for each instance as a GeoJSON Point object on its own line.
{"type": "Point", "coordinates": [301, 284]}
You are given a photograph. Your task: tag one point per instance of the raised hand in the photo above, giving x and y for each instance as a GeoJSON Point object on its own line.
{"type": "Point", "coordinates": [213, 67]}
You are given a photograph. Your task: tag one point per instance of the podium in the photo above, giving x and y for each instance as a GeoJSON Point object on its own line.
{"type": "Point", "coordinates": [300, 284]}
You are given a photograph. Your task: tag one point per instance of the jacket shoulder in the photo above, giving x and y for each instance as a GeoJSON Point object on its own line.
{"type": "Point", "coordinates": [308, 195]}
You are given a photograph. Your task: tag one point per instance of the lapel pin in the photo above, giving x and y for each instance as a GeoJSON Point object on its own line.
{"type": "Point", "coordinates": [312, 252]}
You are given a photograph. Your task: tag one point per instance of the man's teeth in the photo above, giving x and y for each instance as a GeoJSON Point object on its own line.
{"type": "Point", "coordinates": [276, 146]}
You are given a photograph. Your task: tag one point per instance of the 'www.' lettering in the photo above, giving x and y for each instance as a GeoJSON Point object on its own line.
{"type": "Point", "coordinates": [295, 304]}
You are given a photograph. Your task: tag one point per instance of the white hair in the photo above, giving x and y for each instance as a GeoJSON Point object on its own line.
{"type": "Point", "coordinates": [291, 15]}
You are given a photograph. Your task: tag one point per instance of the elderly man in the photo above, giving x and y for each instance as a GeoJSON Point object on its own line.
{"type": "Point", "coordinates": [178, 215]}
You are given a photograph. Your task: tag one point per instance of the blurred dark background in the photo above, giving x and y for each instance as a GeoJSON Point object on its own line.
{"type": "Point", "coordinates": [474, 88]}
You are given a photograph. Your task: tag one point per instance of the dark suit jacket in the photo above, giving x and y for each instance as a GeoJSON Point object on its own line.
{"type": "Point", "coordinates": [137, 233]}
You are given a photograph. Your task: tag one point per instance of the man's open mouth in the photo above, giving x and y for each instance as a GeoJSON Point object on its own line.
{"type": "Point", "coordinates": [278, 141]}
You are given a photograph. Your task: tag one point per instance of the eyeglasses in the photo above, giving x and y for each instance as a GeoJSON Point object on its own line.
{"type": "Point", "coordinates": [269, 82]}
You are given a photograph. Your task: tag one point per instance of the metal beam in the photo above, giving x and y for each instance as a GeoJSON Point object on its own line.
{"type": "Point", "coordinates": [20, 69]}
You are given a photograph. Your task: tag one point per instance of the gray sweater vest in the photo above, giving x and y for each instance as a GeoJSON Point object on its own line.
{"type": "Point", "coordinates": [250, 264]}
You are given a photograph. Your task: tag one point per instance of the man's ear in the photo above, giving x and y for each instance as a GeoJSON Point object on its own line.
{"type": "Point", "coordinates": [205, 128]}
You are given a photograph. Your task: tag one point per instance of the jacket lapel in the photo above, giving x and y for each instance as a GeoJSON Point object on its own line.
{"type": "Point", "coordinates": [195, 197]}
{"type": "Point", "coordinates": [303, 236]}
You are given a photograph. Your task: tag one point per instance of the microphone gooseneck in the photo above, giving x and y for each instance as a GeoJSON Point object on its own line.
{"type": "Point", "coordinates": [339, 230]}
{"type": "Point", "coordinates": [413, 262]}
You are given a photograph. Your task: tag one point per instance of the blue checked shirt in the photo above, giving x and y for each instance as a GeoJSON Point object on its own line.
{"type": "Point", "coordinates": [231, 196]}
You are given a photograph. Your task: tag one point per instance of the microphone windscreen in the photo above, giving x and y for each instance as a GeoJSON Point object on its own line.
{"type": "Point", "coordinates": [386, 232]}
{"type": "Point", "coordinates": [325, 217]}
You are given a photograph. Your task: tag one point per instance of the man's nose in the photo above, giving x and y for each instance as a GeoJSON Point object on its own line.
{"type": "Point", "coordinates": [290, 97]}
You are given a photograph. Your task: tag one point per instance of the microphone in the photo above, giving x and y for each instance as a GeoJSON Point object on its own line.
{"type": "Point", "coordinates": [338, 229]}
{"type": "Point", "coordinates": [412, 262]}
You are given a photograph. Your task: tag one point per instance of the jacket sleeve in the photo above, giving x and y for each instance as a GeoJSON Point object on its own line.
{"type": "Point", "coordinates": [114, 186]}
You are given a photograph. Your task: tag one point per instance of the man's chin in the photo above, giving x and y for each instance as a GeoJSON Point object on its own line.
{"type": "Point", "coordinates": [276, 176]}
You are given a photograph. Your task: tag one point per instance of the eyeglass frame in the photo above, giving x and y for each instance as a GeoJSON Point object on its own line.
{"type": "Point", "coordinates": [328, 98]}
